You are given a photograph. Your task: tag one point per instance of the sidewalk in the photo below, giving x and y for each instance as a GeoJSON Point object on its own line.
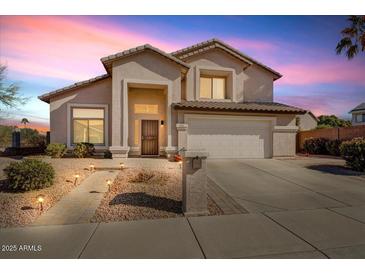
{"type": "Point", "coordinates": [79, 205]}
{"type": "Point", "coordinates": [300, 234]}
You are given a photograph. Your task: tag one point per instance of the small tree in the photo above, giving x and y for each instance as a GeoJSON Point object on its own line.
{"type": "Point", "coordinates": [329, 121]}
{"type": "Point", "coordinates": [24, 121]}
{"type": "Point", "coordinates": [9, 94]}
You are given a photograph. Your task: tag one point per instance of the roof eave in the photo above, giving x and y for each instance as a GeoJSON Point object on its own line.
{"type": "Point", "coordinates": [179, 107]}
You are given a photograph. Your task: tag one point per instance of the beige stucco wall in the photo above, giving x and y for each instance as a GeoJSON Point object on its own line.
{"type": "Point", "coordinates": [284, 144]}
{"type": "Point", "coordinates": [307, 122]}
{"type": "Point", "coordinates": [146, 96]}
{"type": "Point", "coordinates": [97, 93]}
{"type": "Point", "coordinates": [250, 84]}
{"type": "Point", "coordinates": [146, 67]}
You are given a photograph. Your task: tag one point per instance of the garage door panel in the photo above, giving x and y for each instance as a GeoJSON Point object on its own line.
{"type": "Point", "coordinates": [230, 138]}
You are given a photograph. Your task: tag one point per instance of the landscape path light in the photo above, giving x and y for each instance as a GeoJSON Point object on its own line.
{"type": "Point", "coordinates": [180, 164]}
{"type": "Point", "coordinates": [40, 200]}
{"type": "Point", "coordinates": [92, 167]}
{"type": "Point", "coordinates": [121, 166]}
{"type": "Point", "coordinates": [109, 183]}
{"type": "Point", "coordinates": [77, 176]}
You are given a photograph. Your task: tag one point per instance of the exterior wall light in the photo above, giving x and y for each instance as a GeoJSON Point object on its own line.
{"type": "Point", "coordinates": [109, 183]}
{"type": "Point", "coordinates": [40, 200]}
{"type": "Point", "coordinates": [162, 122]}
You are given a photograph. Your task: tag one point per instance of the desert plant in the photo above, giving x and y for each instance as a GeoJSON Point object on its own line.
{"type": "Point", "coordinates": [354, 153]}
{"type": "Point", "coordinates": [315, 145]}
{"type": "Point", "coordinates": [56, 150]}
{"type": "Point", "coordinates": [108, 154]}
{"type": "Point", "coordinates": [29, 174]}
{"type": "Point", "coordinates": [333, 147]}
{"type": "Point", "coordinates": [82, 150]}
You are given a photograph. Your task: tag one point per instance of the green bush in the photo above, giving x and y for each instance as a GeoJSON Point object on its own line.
{"type": "Point", "coordinates": [333, 147]}
{"type": "Point", "coordinates": [108, 154]}
{"type": "Point", "coordinates": [29, 174]}
{"type": "Point", "coordinates": [56, 150]}
{"type": "Point", "coordinates": [82, 150]}
{"type": "Point", "coordinates": [315, 145]}
{"type": "Point", "coordinates": [354, 153]}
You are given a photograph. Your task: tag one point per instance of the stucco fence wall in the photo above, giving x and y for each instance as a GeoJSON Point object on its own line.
{"type": "Point", "coordinates": [340, 133]}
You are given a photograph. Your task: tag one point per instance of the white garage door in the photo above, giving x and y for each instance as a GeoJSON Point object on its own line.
{"type": "Point", "coordinates": [230, 137]}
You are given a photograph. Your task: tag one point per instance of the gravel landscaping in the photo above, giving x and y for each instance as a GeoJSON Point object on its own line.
{"type": "Point", "coordinates": [144, 194]}
{"type": "Point", "coordinates": [20, 209]}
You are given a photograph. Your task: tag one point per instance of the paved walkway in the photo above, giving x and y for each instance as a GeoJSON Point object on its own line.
{"type": "Point", "coordinates": [79, 205]}
{"type": "Point", "coordinates": [318, 233]}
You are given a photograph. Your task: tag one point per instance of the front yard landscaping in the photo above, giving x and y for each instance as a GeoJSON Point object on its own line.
{"type": "Point", "coordinates": [20, 209]}
{"type": "Point", "coordinates": [145, 194]}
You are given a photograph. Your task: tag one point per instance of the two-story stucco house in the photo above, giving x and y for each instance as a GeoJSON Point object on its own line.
{"type": "Point", "coordinates": [208, 96]}
{"type": "Point", "coordinates": [358, 115]}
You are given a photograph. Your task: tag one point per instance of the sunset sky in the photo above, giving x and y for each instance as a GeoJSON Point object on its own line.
{"type": "Point", "coordinates": [47, 53]}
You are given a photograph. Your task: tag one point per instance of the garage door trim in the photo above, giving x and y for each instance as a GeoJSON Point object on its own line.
{"type": "Point", "coordinates": [271, 122]}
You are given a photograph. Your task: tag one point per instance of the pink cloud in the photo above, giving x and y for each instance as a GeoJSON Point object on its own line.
{"type": "Point", "coordinates": [320, 105]}
{"type": "Point", "coordinates": [303, 73]}
{"type": "Point", "coordinates": [64, 47]}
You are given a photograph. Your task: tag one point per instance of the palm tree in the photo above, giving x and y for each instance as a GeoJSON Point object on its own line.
{"type": "Point", "coordinates": [353, 37]}
{"type": "Point", "coordinates": [25, 121]}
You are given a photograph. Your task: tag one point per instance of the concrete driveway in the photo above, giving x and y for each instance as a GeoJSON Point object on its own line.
{"type": "Point", "coordinates": [268, 185]}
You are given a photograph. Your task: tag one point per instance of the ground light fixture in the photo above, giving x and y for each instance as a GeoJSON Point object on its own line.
{"type": "Point", "coordinates": [77, 176]}
{"type": "Point", "coordinates": [109, 183]}
{"type": "Point", "coordinates": [121, 166]}
{"type": "Point", "coordinates": [92, 167]}
{"type": "Point", "coordinates": [40, 200]}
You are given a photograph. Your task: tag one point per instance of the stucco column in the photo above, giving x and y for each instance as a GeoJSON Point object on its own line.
{"type": "Point", "coordinates": [119, 106]}
{"type": "Point", "coordinates": [284, 141]}
{"type": "Point", "coordinates": [182, 136]}
{"type": "Point", "coordinates": [170, 150]}
{"type": "Point", "coordinates": [194, 180]}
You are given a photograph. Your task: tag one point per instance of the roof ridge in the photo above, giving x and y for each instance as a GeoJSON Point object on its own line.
{"type": "Point", "coordinates": [44, 97]}
{"type": "Point", "coordinates": [137, 49]}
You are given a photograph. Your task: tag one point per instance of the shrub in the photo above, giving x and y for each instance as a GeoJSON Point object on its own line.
{"type": "Point", "coordinates": [29, 174]}
{"type": "Point", "coordinates": [354, 153]}
{"type": "Point", "coordinates": [333, 147]}
{"type": "Point", "coordinates": [82, 150]}
{"type": "Point", "coordinates": [315, 145]}
{"type": "Point", "coordinates": [56, 150]}
{"type": "Point", "coordinates": [108, 154]}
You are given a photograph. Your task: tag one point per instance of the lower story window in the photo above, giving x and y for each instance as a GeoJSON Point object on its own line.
{"type": "Point", "coordinates": [88, 126]}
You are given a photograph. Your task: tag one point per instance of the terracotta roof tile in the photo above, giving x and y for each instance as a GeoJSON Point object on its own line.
{"type": "Point", "coordinates": [240, 107]}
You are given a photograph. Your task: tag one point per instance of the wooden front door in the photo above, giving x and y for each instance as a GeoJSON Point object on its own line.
{"type": "Point", "coordinates": [149, 137]}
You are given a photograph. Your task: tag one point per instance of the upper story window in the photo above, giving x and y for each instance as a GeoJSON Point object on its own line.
{"type": "Point", "coordinates": [212, 87]}
{"type": "Point", "coordinates": [88, 125]}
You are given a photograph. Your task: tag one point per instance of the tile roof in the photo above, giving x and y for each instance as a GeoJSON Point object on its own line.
{"type": "Point", "coordinates": [240, 107]}
{"type": "Point", "coordinates": [359, 107]}
{"type": "Point", "coordinates": [45, 97]}
{"type": "Point", "coordinates": [109, 59]}
{"type": "Point", "coordinates": [216, 43]}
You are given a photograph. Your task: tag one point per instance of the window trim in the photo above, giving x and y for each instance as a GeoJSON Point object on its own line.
{"type": "Point", "coordinates": [70, 120]}
{"type": "Point", "coordinates": [212, 77]}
